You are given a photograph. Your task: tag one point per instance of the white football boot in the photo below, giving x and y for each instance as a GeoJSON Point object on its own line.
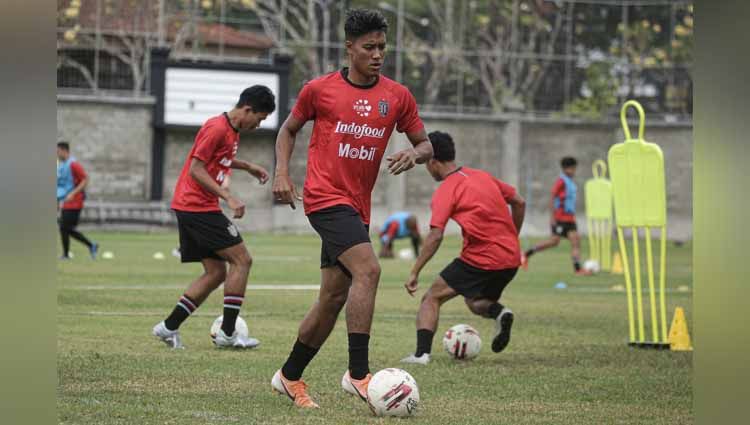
{"type": "Point", "coordinates": [423, 359]}
{"type": "Point", "coordinates": [234, 341]}
{"type": "Point", "coordinates": [171, 338]}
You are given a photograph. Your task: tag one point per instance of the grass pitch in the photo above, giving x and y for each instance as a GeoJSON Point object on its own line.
{"type": "Point", "coordinates": [567, 362]}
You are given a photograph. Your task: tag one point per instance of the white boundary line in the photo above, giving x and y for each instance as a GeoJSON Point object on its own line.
{"type": "Point", "coordinates": [250, 286]}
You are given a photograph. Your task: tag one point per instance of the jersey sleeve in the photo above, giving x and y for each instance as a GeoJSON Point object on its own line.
{"type": "Point", "coordinates": [304, 108]}
{"type": "Point", "coordinates": [409, 121]}
{"type": "Point", "coordinates": [442, 207]}
{"type": "Point", "coordinates": [508, 191]}
{"type": "Point", "coordinates": [206, 143]}
{"type": "Point", "coordinates": [78, 172]}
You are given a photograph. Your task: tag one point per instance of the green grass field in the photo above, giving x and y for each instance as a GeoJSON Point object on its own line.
{"type": "Point", "coordinates": [567, 363]}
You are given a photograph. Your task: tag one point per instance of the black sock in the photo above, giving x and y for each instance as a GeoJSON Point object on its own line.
{"type": "Point", "coordinates": [529, 252]}
{"type": "Point", "coordinates": [494, 310]}
{"type": "Point", "coordinates": [359, 365]}
{"type": "Point", "coordinates": [232, 305]}
{"type": "Point", "coordinates": [576, 263]}
{"type": "Point", "coordinates": [184, 308]}
{"type": "Point", "coordinates": [424, 342]}
{"type": "Point", "coordinates": [298, 360]}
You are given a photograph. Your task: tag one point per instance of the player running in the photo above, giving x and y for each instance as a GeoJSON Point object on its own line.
{"type": "Point", "coordinates": [71, 193]}
{"type": "Point", "coordinates": [490, 257]}
{"type": "Point", "coordinates": [207, 235]}
{"type": "Point", "coordinates": [397, 226]}
{"type": "Point", "coordinates": [563, 217]}
{"type": "Point", "coordinates": [354, 111]}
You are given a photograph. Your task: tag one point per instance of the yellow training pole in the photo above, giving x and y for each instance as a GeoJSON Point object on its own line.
{"type": "Point", "coordinates": [592, 237]}
{"type": "Point", "coordinates": [638, 289]}
{"type": "Point", "coordinates": [663, 284]}
{"type": "Point", "coordinates": [651, 290]}
{"type": "Point", "coordinates": [628, 286]}
{"type": "Point", "coordinates": [607, 260]}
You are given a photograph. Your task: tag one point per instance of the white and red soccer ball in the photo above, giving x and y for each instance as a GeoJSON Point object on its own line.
{"type": "Point", "coordinates": [393, 392]}
{"type": "Point", "coordinates": [240, 326]}
{"type": "Point", "coordinates": [462, 342]}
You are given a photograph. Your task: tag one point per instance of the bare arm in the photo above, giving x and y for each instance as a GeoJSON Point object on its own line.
{"type": "Point", "coordinates": [431, 244]}
{"type": "Point", "coordinates": [517, 210]}
{"type": "Point", "coordinates": [419, 153]}
{"type": "Point", "coordinates": [552, 209]}
{"type": "Point", "coordinates": [77, 189]}
{"type": "Point", "coordinates": [283, 187]}
{"type": "Point", "coordinates": [253, 169]}
{"type": "Point", "coordinates": [200, 174]}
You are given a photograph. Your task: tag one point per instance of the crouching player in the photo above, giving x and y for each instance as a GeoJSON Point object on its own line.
{"type": "Point", "coordinates": [490, 257]}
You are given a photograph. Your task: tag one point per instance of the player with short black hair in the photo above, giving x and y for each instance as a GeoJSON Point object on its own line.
{"type": "Point", "coordinates": [354, 110]}
{"type": "Point", "coordinates": [71, 193]}
{"type": "Point", "coordinates": [563, 218]}
{"type": "Point", "coordinates": [206, 234]}
{"type": "Point", "coordinates": [491, 254]}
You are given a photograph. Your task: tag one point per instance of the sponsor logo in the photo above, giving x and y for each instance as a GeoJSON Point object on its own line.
{"type": "Point", "coordinates": [362, 107]}
{"type": "Point", "coordinates": [396, 396]}
{"type": "Point", "coordinates": [383, 107]}
{"type": "Point", "coordinates": [363, 152]}
{"type": "Point", "coordinates": [359, 131]}
{"type": "Point", "coordinates": [233, 230]}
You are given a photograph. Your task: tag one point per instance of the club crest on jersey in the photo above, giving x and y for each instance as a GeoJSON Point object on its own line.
{"type": "Point", "coordinates": [383, 107]}
{"type": "Point", "coordinates": [362, 153]}
{"type": "Point", "coordinates": [362, 107]}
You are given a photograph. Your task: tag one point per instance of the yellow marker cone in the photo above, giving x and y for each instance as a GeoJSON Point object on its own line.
{"type": "Point", "coordinates": [679, 338]}
{"type": "Point", "coordinates": [616, 263]}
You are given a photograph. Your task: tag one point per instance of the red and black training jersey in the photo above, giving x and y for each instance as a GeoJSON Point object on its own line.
{"type": "Point", "coordinates": [352, 126]}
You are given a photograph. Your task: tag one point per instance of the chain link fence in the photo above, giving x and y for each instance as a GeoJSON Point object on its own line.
{"type": "Point", "coordinates": [567, 58]}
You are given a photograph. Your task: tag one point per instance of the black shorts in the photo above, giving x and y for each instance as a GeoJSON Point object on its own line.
{"type": "Point", "coordinates": [204, 233]}
{"type": "Point", "coordinates": [340, 227]}
{"type": "Point", "coordinates": [472, 282]}
{"type": "Point", "coordinates": [562, 228]}
{"type": "Point", "coordinates": [69, 219]}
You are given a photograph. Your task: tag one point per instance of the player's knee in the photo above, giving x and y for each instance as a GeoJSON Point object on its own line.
{"type": "Point", "coordinates": [217, 275]}
{"type": "Point", "coordinates": [242, 259]}
{"type": "Point", "coordinates": [369, 273]}
{"type": "Point", "coordinates": [334, 301]}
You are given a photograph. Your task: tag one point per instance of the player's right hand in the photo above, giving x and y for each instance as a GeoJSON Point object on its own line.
{"type": "Point", "coordinates": [284, 190]}
{"type": "Point", "coordinates": [237, 206]}
{"type": "Point", "coordinates": [411, 284]}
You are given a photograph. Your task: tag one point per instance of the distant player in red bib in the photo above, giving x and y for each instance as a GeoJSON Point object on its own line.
{"type": "Point", "coordinates": [354, 110]}
{"type": "Point", "coordinates": [563, 217]}
{"type": "Point", "coordinates": [491, 254]}
{"type": "Point", "coordinates": [206, 234]}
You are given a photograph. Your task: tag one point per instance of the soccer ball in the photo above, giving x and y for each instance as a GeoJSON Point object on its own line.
{"type": "Point", "coordinates": [240, 326]}
{"type": "Point", "coordinates": [406, 254]}
{"type": "Point", "coordinates": [592, 266]}
{"type": "Point", "coordinates": [393, 392]}
{"type": "Point", "coordinates": [462, 342]}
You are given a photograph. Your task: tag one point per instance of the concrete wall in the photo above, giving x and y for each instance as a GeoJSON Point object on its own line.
{"type": "Point", "coordinates": [113, 141]}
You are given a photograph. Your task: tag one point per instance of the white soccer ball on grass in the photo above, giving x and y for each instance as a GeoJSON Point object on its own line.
{"type": "Point", "coordinates": [393, 392]}
{"type": "Point", "coordinates": [462, 342]}
{"type": "Point", "coordinates": [592, 266]}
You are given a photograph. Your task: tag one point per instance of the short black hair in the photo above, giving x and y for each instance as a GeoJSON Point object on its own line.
{"type": "Point", "coordinates": [363, 21]}
{"type": "Point", "coordinates": [568, 162]}
{"type": "Point", "coordinates": [260, 98]}
{"type": "Point", "coordinates": [442, 146]}
{"type": "Point", "coordinates": [64, 146]}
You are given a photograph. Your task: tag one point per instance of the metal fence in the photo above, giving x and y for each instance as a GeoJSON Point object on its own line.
{"type": "Point", "coordinates": [576, 58]}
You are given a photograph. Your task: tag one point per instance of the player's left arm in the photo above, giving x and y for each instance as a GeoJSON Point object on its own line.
{"type": "Point", "coordinates": [419, 153]}
{"type": "Point", "coordinates": [254, 169]}
{"type": "Point", "coordinates": [429, 248]}
{"type": "Point", "coordinates": [78, 173]}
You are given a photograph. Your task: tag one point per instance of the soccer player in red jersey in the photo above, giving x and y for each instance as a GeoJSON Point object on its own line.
{"type": "Point", "coordinates": [207, 235]}
{"type": "Point", "coordinates": [71, 192]}
{"type": "Point", "coordinates": [354, 111]}
{"type": "Point", "coordinates": [491, 254]}
{"type": "Point", "coordinates": [563, 218]}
